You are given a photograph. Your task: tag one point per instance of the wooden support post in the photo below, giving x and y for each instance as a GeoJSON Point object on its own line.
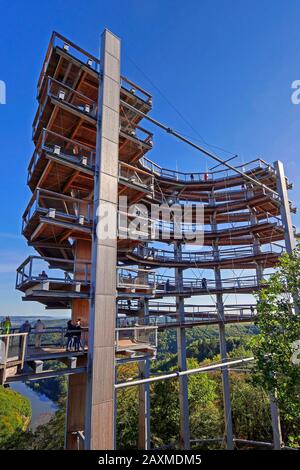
{"type": "Point", "coordinates": [100, 415]}
{"type": "Point", "coordinates": [77, 383]}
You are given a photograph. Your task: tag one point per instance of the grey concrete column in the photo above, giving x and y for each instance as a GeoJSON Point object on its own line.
{"type": "Point", "coordinates": [99, 423]}
{"type": "Point", "coordinates": [181, 359]}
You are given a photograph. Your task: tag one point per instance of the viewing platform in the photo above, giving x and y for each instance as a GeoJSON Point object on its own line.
{"type": "Point", "coordinates": [55, 282]}
{"type": "Point", "coordinates": [268, 231]}
{"type": "Point", "coordinates": [68, 61]}
{"type": "Point", "coordinates": [166, 286]}
{"type": "Point", "coordinates": [125, 277]}
{"type": "Point", "coordinates": [22, 355]}
{"type": "Point", "coordinates": [227, 258]}
{"type": "Point", "coordinates": [55, 216]}
{"type": "Point", "coordinates": [213, 180]}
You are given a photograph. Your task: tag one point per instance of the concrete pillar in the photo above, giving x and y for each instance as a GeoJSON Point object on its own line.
{"type": "Point", "coordinates": [99, 423]}
{"type": "Point", "coordinates": [182, 362]}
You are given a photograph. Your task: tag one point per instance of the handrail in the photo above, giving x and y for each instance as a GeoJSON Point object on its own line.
{"type": "Point", "coordinates": [194, 176]}
{"type": "Point", "coordinates": [137, 87]}
{"type": "Point", "coordinates": [136, 175]}
{"type": "Point", "coordinates": [167, 284]}
{"type": "Point", "coordinates": [194, 256]}
{"type": "Point", "coordinates": [46, 197]}
{"type": "Point", "coordinates": [75, 272]}
{"type": "Point", "coordinates": [134, 168]}
{"type": "Point", "coordinates": [58, 40]}
{"type": "Point", "coordinates": [138, 133]}
{"type": "Point", "coordinates": [168, 225]}
{"type": "Point", "coordinates": [154, 229]}
{"type": "Point", "coordinates": [55, 37]}
{"type": "Point", "coordinates": [65, 94]}
{"type": "Point", "coordinates": [72, 90]}
{"type": "Point", "coordinates": [135, 278]}
{"type": "Point", "coordinates": [173, 318]}
{"type": "Point", "coordinates": [56, 150]}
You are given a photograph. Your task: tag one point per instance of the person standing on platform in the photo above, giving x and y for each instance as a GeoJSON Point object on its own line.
{"type": "Point", "coordinates": [24, 328]}
{"type": "Point", "coordinates": [6, 326]}
{"type": "Point", "coordinates": [39, 328]}
{"type": "Point", "coordinates": [77, 335]}
{"type": "Point", "coordinates": [70, 335]}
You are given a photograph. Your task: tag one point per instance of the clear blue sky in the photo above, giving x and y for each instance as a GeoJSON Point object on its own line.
{"type": "Point", "coordinates": [227, 65]}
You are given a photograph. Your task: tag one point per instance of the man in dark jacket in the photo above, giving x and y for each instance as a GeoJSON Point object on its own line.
{"type": "Point", "coordinates": [70, 334]}
{"type": "Point", "coordinates": [77, 335]}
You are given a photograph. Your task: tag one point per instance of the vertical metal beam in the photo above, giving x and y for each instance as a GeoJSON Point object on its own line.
{"type": "Point", "coordinates": [225, 372]}
{"type": "Point", "coordinates": [285, 212]}
{"type": "Point", "coordinates": [99, 423]}
{"type": "Point", "coordinates": [276, 425]}
{"type": "Point", "coordinates": [290, 245]}
{"type": "Point", "coordinates": [223, 347]}
{"type": "Point", "coordinates": [144, 431]}
{"type": "Point", "coordinates": [181, 358]}
{"type": "Point", "coordinates": [256, 240]}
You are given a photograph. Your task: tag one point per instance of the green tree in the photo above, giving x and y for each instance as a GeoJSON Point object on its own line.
{"type": "Point", "coordinates": [250, 409]}
{"type": "Point", "coordinates": [279, 328]}
{"type": "Point", "coordinates": [48, 436]}
{"type": "Point", "coordinates": [15, 413]}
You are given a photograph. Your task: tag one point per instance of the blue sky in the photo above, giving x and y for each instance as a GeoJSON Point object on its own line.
{"type": "Point", "coordinates": [226, 65]}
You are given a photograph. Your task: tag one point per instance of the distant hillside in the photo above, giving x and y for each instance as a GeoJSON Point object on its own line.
{"type": "Point", "coordinates": [49, 321]}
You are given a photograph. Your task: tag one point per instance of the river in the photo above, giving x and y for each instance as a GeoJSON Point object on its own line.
{"type": "Point", "coordinates": [42, 407]}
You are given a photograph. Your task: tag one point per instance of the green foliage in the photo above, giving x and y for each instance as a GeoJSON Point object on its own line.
{"type": "Point", "coordinates": [127, 409]}
{"type": "Point", "coordinates": [202, 342]}
{"type": "Point", "coordinates": [250, 403]}
{"type": "Point", "coordinates": [48, 436]}
{"type": "Point", "coordinates": [205, 411]}
{"type": "Point", "coordinates": [250, 410]}
{"type": "Point", "coordinates": [165, 412]}
{"type": "Point", "coordinates": [15, 413]}
{"type": "Point", "coordinates": [56, 387]}
{"type": "Point", "coordinates": [279, 328]}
